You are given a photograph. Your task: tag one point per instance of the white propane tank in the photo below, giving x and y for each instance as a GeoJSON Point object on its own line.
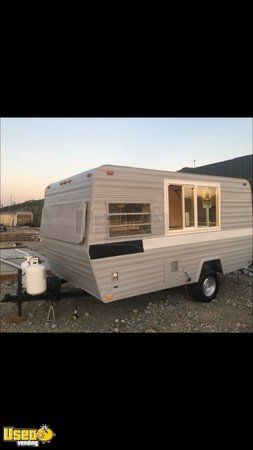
{"type": "Point", "coordinates": [24, 267]}
{"type": "Point", "coordinates": [36, 282]}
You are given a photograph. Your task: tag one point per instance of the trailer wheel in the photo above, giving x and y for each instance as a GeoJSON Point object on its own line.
{"type": "Point", "coordinates": [208, 286]}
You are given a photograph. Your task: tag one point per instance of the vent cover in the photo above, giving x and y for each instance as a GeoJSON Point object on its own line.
{"type": "Point", "coordinates": [174, 266]}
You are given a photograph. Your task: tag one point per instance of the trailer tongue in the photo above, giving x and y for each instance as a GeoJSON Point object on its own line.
{"type": "Point", "coordinates": [52, 290]}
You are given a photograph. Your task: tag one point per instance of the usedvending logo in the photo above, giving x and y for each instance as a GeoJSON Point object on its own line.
{"type": "Point", "coordinates": [28, 437]}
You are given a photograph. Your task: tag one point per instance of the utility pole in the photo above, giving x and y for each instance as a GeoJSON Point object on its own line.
{"type": "Point", "coordinates": [194, 165]}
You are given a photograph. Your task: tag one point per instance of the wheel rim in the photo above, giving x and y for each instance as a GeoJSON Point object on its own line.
{"type": "Point", "coordinates": [209, 286]}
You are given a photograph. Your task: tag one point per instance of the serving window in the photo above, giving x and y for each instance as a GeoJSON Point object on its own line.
{"type": "Point", "coordinates": [207, 206]}
{"type": "Point", "coordinates": [126, 219]}
{"type": "Point", "coordinates": [192, 206]}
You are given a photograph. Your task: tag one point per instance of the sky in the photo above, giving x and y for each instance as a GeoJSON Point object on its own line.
{"type": "Point", "coordinates": [38, 151]}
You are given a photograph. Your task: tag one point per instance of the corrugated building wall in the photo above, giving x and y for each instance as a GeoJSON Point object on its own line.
{"type": "Point", "coordinates": [241, 167]}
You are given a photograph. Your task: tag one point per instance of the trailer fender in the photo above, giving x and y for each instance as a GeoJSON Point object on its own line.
{"type": "Point", "coordinates": [213, 264]}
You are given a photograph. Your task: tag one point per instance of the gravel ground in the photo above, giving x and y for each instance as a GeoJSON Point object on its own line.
{"type": "Point", "coordinates": [159, 312]}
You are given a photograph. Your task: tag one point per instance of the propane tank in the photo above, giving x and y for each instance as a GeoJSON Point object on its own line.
{"type": "Point", "coordinates": [24, 267]}
{"type": "Point", "coordinates": [36, 282]}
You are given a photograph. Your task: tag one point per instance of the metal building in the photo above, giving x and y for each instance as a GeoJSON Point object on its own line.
{"type": "Point", "coordinates": [241, 167]}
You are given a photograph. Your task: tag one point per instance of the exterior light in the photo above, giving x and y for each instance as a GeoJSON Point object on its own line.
{"type": "Point", "coordinates": [65, 182]}
{"type": "Point", "coordinates": [110, 172]}
{"type": "Point", "coordinates": [109, 297]}
{"type": "Point", "coordinates": [115, 276]}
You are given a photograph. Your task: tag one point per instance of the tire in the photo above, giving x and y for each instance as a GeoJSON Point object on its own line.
{"type": "Point", "coordinates": [207, 287]}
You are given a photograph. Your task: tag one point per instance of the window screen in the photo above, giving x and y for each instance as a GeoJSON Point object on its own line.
{"type": "Point", "coordinates": [126, 219]}
{"type": "Point", "coordinates": [64, 221]}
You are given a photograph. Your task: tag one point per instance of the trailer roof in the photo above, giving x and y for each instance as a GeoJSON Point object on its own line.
{"type": "Point", "coordinates": [166, 171]}
{"type": "Point", "coordinates": [180, 174]}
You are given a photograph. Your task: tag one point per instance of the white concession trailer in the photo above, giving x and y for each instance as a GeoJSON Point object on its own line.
{"type": "Point", "coordinates": [118, 232]}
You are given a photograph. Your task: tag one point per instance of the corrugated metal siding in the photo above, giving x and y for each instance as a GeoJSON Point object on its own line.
{"type": "Point", "coordinates": [146, 272]}
{"type": "Point", "coordinates": [71, 261]}
{"type": "Point", "coordinates": [79, 189]}
{"type": "Point", "coordinates": [139, 185]}
{"type": "Point", "coordinates": [126, 185]}
{"type": "Point", "coordinates": [241, 167]}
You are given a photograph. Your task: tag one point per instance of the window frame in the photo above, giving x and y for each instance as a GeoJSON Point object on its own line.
{"type": "Point", "coordinates": [195, 184]}
{"type": "Point", "coordinates": [127, 236]}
